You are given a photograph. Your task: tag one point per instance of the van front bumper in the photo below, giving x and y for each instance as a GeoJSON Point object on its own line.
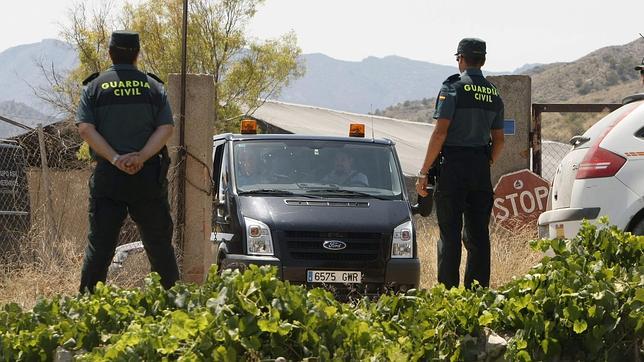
{"type": "Point", "coordinates": [564, 223]}
{"type": "Point", "coordinates": [404, 273]}
{"type": "Point", "coordinates": [241, 262]}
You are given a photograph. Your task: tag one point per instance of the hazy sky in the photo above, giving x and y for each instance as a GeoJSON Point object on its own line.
{"type": "Point", "coordinates": [517, 32]}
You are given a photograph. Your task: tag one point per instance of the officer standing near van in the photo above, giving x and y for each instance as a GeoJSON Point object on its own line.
{"type": "Point", "coordinates": [640, 68]}
{"type": "Point", "coordinates": [125, 118]}
{"type": "Point", "coordinates": [467, 139]}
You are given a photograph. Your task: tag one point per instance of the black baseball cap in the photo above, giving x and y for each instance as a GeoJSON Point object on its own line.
{"type": "Point", "coordinates": [471, 46]}
{"type": "Point", "coordinates": [641, 66]}
{"type": "Point", "coordinates": [125, 39]}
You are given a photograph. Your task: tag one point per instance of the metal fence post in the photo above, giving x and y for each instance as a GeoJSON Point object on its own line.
{"type": "Point", "coordinates": [536, 139]}
{"type": "Point", "coordinates": [50, 224]}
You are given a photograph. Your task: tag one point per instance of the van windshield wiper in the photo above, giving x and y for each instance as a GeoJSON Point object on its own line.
{"type": "Point", "coordinates": [266, 192]}
{"type": "Point", "coordinates": [274, 192]}
{"type": "Point", "coordinates": [345, 192]}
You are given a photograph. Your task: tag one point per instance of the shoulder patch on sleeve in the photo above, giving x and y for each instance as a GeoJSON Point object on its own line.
{"type": "Point", "coordinates": [90, 78]}
{"type": "Point", "coordinates": [155, 77]}
{"type": "Point", "coordinates": [452, 78]}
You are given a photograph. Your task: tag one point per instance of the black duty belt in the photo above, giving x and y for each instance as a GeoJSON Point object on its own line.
{"type": "Point", "coordinates": [151, 161]}
{"type": "Point", "coordinates": [447, 150]}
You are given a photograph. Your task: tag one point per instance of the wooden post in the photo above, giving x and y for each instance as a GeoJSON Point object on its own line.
{"type": "Point", "coordinates": [196, 250]}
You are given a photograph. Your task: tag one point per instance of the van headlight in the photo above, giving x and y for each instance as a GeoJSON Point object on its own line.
{"type": "Point", "coordinates": [402, 245]}
{"type": "Point", "coordinates": [258, 237]}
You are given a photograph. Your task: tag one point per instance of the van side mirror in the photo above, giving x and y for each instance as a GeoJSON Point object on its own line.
{"type": "Point", "coordinates": [424, 205]}
{"type": "Point", "coordinates": [221, 213]}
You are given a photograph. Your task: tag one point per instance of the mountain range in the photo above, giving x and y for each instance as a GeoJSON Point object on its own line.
{"type": "Point", "coordinates": [20, 70]}
{"type": "Point", "coordinates": [370, 85]}
{"type": "Point", "coordinates": [602, 76]}
{"type": "Point", "coordinates": [364, 86]}
{"type": "Point", "coordinates": [343, 85]}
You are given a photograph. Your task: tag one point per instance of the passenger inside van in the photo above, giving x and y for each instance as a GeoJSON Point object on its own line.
{"type": "Point", "coordinates": [344, 173]}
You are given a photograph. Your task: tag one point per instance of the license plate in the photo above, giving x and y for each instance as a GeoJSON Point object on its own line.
{"type": "Point", "coordinates": [333, 276]}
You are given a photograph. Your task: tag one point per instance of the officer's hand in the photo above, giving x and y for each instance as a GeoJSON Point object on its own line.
{"type": "Point", "coordinates": [130, 163]}
{"type": "Point", "coordinates": [421, 186]}
{"type": "Point", "coordinates": [134, 162]}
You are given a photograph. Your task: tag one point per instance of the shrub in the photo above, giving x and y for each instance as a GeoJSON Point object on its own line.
{"type": "Point", "coordinates": [584, 303]}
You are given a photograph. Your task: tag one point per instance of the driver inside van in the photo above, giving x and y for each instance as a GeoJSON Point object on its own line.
{"type": "Point", "coordinates": [344, 172]}
{"type": "Point", "coordinates": [249, 170]}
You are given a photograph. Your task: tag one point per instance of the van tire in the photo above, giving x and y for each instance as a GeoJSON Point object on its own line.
{"type": "Point", "coordinates": [220, 259]}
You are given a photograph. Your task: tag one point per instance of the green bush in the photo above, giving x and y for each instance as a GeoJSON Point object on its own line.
{"type": "Point", "coordinates": [585, 303]}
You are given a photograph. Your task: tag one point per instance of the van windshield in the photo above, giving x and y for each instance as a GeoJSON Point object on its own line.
{"type": "Point", "coordinates": [316, 169]}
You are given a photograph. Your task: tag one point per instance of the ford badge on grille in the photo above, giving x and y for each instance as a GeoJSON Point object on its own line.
{"type": "Point", "coordinates": [334, 245]}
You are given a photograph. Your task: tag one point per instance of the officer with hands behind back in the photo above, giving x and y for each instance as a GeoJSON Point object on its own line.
{"type": "Point", "coordinates": [125, 118]}
{"type": "Point", "coordinates": [469, 117]}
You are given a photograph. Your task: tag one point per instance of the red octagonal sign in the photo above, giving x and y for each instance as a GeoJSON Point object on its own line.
{"type": "Point", "coordinates": [519, 198]}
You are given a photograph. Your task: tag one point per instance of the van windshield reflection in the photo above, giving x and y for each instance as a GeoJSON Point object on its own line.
{"type": "Point", "coordinates": [320, 168]}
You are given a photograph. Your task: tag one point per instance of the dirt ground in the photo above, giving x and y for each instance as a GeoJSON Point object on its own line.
{"type": "Point", "coordinates": [49, 264]}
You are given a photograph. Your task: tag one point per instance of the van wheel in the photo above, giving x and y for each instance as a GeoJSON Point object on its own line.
{"type": "Point", "coordinates": [220, 260]}
{"type": "Point", "coordinates": [639, 228]}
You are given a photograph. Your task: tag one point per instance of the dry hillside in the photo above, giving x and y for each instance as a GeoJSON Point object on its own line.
{"type": "Point", "coordinates": [603, 76]}
{"type": "Point", "coordinates": [417, 111]}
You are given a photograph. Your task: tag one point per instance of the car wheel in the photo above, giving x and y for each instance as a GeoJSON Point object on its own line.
{"type": "Point", "coordinates": [639, 228]}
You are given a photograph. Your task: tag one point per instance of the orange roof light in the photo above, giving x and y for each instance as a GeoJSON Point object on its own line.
{"type": "Point", "coordinates": [356, 130]}
{"type": "Point", "coordinates": [248, 126]}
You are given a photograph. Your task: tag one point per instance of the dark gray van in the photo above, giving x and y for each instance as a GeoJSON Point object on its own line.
{"type": "Point", "coordinates": [15, 219]}
{"type": "Point", "coordinates": [323, 210]}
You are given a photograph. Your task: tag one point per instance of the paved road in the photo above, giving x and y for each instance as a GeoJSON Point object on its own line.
{"type": "Point", "coordinates": [411, 137]}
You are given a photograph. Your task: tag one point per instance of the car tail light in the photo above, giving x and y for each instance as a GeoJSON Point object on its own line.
{"type": "Point", "coordinates": [600, 163]}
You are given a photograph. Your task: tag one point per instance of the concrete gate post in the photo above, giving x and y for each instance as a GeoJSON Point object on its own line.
{"type": "Point", "coordinates": [515, 90]}
{"type": "Point", "coordinates": [200, 113]}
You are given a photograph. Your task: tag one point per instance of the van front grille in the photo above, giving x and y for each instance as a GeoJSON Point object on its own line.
{"type": "Point", "coordinates": [308, 245]}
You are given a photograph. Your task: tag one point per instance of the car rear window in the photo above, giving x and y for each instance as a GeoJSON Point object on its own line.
{"type": "Point", "coordinates": [640, 133]}
{"type": "Point", "coordinates": [598, 128]}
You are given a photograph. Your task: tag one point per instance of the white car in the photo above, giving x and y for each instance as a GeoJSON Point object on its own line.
{"type": "Point", "coordinates": [603, 175]}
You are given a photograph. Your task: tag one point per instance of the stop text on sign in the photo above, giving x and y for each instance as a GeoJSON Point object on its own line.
{"type": "Point", "coordinates": [521, 203]}
{"type": "Point", "coordinates": [519, 198]}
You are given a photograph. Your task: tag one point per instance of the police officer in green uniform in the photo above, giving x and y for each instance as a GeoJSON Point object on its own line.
{"type": "Point", "coordinates": [125, 118]}
{"type": "Point", "coordinates": [640, 68]}
{"type": "Point", "coordinates": [467, 138]}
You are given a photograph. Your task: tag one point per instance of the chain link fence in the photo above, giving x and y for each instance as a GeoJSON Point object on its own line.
{"type": "Point", "coordinates": [557, 128]}
{"type": "Point", "coordinates": [44, 200]}
{"type": "Point", "coordinates": [44, 192]}
{"type": "Point", "coordinates": [15, 209]}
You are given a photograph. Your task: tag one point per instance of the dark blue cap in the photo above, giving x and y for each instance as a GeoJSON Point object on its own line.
{"type": "Point", "coordinates": [471, 46]}
{"type": "Point", "coordinates": [125, 39]}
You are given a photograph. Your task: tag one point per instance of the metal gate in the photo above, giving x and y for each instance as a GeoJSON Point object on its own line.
{"type": "Point", "coordinates": [539, 108]}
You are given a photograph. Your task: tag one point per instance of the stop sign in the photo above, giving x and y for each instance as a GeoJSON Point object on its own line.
{"type": "Point", "coordinates": [519, 198]}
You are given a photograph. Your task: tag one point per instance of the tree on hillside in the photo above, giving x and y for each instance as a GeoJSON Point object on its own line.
{"type": "Point", "coordinates": [246, 71]}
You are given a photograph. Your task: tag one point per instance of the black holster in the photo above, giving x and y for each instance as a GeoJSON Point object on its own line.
{"type": "Point", "coordinates": [435, 171]}
{"type": "Point", "coordinates": [488, 151]}
{"type": "Point", "coordinates": [164, 158]}
{"type": "Point", "coordinates": [425, 204]}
